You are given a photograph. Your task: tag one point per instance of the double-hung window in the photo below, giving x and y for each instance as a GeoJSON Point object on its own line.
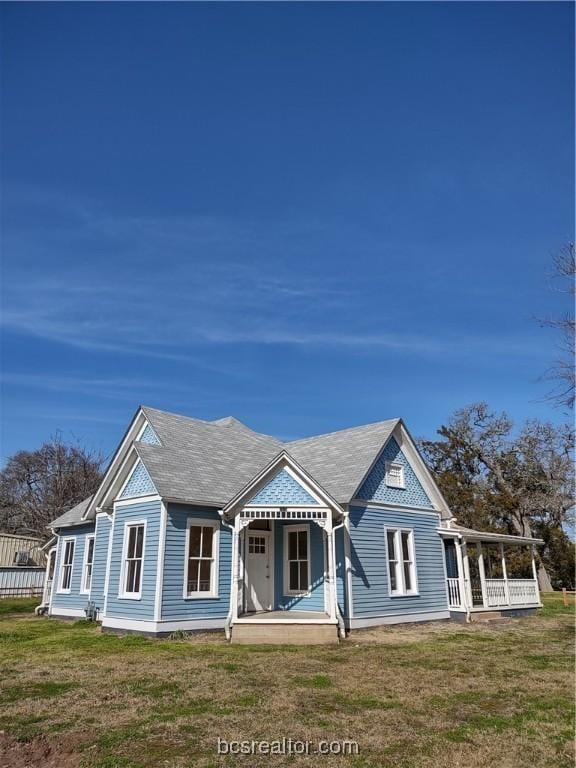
{"type": "Point", "coordinates": [201, 576]}
{"type": "Point", "coordinates": [296, 560]}
{"type": "Point", "coordinates": [401, 561]}
{"type": "Point", "coordinates": [133, 559]}
{"type": "Point", "coordinates": [88, 561]}
{"type": "Point", "coordinates": [67, 563]}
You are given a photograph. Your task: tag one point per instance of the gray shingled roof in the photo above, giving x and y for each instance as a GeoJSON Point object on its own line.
{"type": "Point", "coordinates": [209, 462]}
{"type": "Point", "coordinates": [73, 516]}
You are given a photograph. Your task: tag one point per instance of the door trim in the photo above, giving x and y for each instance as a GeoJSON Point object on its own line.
{"type": "Point", "coordinates": [271, 539]}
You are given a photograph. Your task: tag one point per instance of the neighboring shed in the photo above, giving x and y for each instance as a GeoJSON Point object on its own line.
{"type": "Point", "coordinates": [21, 550]}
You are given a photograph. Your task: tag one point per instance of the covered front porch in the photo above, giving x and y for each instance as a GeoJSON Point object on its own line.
{"type": "Point", "coordinates": [489, 571]}
{"type": "Point", "coordinates": [284, 560]}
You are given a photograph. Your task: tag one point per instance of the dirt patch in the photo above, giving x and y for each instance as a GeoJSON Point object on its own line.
{"type": "Point", "coordinates": [55, 753]}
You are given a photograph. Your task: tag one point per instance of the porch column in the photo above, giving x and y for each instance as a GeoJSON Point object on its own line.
{"type": "Point", "coordinates": [482, 573]}
{"type": "Point", "coordinates": [235, 567]}
{"type": "Point", "coordinates": [461, 575]}
{"type": "Point", "coordinates": [535, 574]}
{"type": "Point", "coordinates": [331, 569]}
{"type": "Point", "coordinates": [468, 582]}
{"type": "Point", "coordinates": [504, 573]}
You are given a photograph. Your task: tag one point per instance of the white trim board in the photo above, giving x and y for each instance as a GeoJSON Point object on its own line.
{"type": "Point", "coordinates": [403, 618]}
{"type": "Point", "coordinates": [70, 612]}
{"type": "Point", "coordinates": [385, 506]}
{"type": "Point", "coordinates": [112, 622]}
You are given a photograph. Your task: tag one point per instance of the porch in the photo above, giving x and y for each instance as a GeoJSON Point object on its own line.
{"type": "Point", "coordinates": [489, 571]}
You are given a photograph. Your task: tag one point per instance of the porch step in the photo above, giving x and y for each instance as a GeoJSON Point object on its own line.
{"type": "Point", "coordinates": [284, 634]}
{"type": "Point", "coordinates": [490, 617]}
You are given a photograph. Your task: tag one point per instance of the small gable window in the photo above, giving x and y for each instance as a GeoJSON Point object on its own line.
{"type": "Point", "coordinates": [401, 561]}
{"type": "Point", "coordinates": [201, 559]}
{"type": "Point", "coordinates": [394, 475]}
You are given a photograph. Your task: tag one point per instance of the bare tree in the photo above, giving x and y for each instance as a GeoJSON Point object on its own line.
{"type": "Point", "coordinates": [522, 484]}
{"type": "Point", "coordinates": [38, 486]}
{"type": "Point", "coordinates": [562, 370]}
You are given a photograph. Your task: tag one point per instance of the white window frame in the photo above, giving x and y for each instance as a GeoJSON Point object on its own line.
{"type": "Point", "coordinates": [214, 581]}
{"type": "Point", "coordinates": [61, 589]}
{"type": "Point", "coordinates": [293, 592]}
{"type": "Point", "coordinates": [122, 594]}
{"type": "Point", "coordinates": [391, 482]}
{"type": "Point", "coordinates": [85, 590]}
{"type": "Point", "coordinates": [401, 590]}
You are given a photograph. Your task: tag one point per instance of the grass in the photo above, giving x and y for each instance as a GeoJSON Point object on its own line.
{"type": "Point", "coordinates": [420, 696]}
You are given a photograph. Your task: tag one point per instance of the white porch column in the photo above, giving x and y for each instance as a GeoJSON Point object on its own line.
{"type": "Point", "coordinates": [461, 575]}
{"type": "Point", "coordinates": [482, 571]}
{"type": "Point", "coordinates": [332, 597]}
{"type": "Point", "coordinates": [468, 584]}
{"type": "Point", "coordinates": [504, 573]}
{"type": "Point", "coordinates": [535, 574]}
{"type": "Point", "coordinates": [235, 567]}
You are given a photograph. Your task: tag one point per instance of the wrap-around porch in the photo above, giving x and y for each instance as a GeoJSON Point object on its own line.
{"type": "Point", "coordinates": [489, 571]}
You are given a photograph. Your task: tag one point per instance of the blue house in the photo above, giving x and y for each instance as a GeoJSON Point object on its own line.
{"type": "Point", "coordinates": [208, 525]}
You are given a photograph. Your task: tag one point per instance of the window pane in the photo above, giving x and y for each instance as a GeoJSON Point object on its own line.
{"type": "Point", "coordinates": [207, 532]}
{"type": "Point", "coordinates": [130, 576]}
{"type": "Point", "coordinates": [131, 541]}
{"type": "Point", "coordinates": [69, 552]}
{"type": "Point", "coordinates": [195, 533]}
{"type": "Point", "coordinates": [193, 573]}
{"type": "Point", "coordinates": [391, 545]}
{"type": "Point", "coordinates": [407, 577]}
{"type": "Point", "coordinates": [405, 545]}
{"type": "Point", "coordinates": [292, 545]}
{"type": "Point", "coordinates": [137, 572]}
{"type": "Point", "coordinates": [303, 545]}
{"type": "Point", "coordinates": [139, 540]}
{"type": "Point", "coordinates": [90, 554]}
{"type": "Point", "coordinates": [393, 581]}
{"type": "Point", "coordinates": [66, 577]}
{"type": "Point", "coordinates": [303, 575]}
{"type": "Point", "coordinates": [294, 584]}
{"type": "Point", "coordinates": [205, 568]}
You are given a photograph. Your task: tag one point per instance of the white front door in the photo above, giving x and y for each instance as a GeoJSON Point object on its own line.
{"type": "Point", "coordinates": [258, 571]}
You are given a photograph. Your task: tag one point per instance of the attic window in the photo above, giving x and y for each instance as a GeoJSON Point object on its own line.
{"type": "Point", "coordinates": [394, 475]}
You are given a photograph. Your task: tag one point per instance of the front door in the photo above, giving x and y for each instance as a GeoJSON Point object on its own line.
{"type": "Point", "coordinates": [258, 575]}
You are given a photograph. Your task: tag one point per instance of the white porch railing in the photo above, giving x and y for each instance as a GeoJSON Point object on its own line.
{"type": "Point", "coordinates": [506, 592]}
{"type": "Point", "coordinates": [454, 596]}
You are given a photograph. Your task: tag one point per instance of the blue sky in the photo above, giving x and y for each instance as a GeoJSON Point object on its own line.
{"type": "Point", "coordinates": [306, 215]}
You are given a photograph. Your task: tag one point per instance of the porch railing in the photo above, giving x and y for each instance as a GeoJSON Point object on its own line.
{"type": "Point", "coordinates": [454, 596]}
{"type": "Point", "coordinates": [506, 592]}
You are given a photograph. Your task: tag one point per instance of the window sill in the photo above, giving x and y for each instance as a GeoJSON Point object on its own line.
{"type": "Point", "coordinates": [202, 596]}
{"type": "Point", "coordinates": [130, 597]}
{"type": "Point", "coordinates": [298, 594]}
{"type": "Point", "coordinates": [63, 591]}
{"type": "Point", "coordinates": [403, 594]}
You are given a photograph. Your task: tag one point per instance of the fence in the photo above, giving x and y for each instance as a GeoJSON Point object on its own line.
{"type": "Point", "coordinates": [21, 582]}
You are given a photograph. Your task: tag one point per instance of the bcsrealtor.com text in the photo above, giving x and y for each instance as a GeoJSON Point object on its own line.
{"type": "Point", "coordinates": [286, 746]}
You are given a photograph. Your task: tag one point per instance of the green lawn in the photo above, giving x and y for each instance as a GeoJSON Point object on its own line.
{"type": "Point", "coordinates": [439, 695]}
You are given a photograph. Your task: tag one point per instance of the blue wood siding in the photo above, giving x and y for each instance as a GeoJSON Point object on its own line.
{"type": "Point", "coordinates": [139, 484]}
{"type": "Point", "coordinates": [374, 487]}
{"type": "Point", "coordinates": [283, 489]}
{"type": "Point", "coordinates": [127, 607]}
{"type": "Point", "coordinates": [369, 566]}
{"type": "Point", "coordinates": [315, 600]}
{"type": "Point", "coordinates": [103, 528]}
{"type": "Point", "coordinates": [74, 598]}
{"type": "Point", "coordinates": [341, 571]}
{"type": "Point", "coordinates": [174, 605]}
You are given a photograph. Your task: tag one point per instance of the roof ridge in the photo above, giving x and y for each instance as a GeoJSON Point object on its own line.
{"type": "Point", "coordinates": [342, 431]}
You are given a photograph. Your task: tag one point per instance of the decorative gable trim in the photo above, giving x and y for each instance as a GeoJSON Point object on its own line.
{"type": "Point", "coordinates": [283, 489]}
{"type": "Point", "coordinates": [138, 483]}
{"type": "Point", "coordinates": [411, 454]}
{"type": "Point", "coordinates": [147, 435]}
{"type": "Point", "coordinates": [282, 462]}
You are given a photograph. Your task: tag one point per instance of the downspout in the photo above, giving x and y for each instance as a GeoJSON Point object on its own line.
{"type": "Point", "coordinates": [341, 625]}
{"type": "Point", "coordinates": [228, 621]}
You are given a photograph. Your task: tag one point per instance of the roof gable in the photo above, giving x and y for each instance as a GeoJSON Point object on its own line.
{"type": "Point", "coordinates": [374, 487]}
{"type": "Point", "coordinates": [283, 489]}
